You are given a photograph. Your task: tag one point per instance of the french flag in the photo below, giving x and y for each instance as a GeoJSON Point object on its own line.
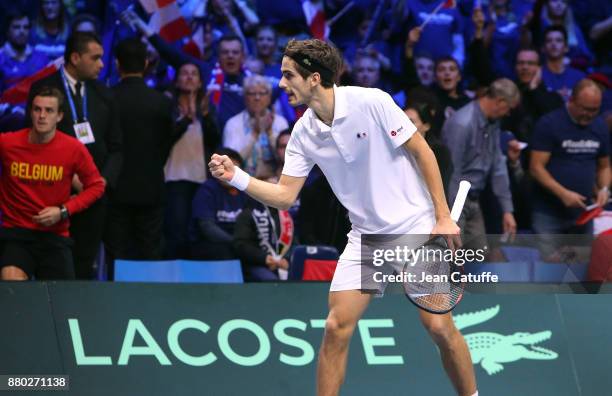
{"type": "Point", "coordinates": [167, 19]}
{"type": "Point", "coordinates": [194, 45]}
{"type": "Point", "coordinates": [315, 18]}
{"type": "Point", "coordinates": [18, 93]}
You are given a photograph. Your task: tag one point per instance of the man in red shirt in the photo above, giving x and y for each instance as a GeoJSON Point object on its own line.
{"type": "Point", "coordinates": [38, 165]}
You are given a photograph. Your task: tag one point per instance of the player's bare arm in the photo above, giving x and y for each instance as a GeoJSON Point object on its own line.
{"type": "Point", "coordinates": [280, 195]}
{"type": "Point", "coordinates": [418, 147]}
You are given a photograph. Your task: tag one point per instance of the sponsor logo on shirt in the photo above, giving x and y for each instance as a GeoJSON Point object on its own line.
{"type": "Point", "coordinates": [394, 133]}
{"type": "Point", "coordinates": [36, 172]}
{"type": "Point", "coordinates": [228, 216]}
{"type": "Point", "coordinates": [436, 19]}
{"type": "Point", "coordinates": [580, 146]}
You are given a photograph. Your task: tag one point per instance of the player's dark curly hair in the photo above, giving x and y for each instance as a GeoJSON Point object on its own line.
{"type": "Point", "coordinates": [325, 53]}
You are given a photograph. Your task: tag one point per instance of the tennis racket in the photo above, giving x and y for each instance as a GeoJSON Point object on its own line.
{"type": "Point", "coordinates": [433, 281]}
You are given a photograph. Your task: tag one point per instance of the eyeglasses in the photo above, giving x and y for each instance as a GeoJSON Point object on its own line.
{"type": "Point", "coordinates": [587, 110]}
{"type": "Point", "coordinates": [260, 93]}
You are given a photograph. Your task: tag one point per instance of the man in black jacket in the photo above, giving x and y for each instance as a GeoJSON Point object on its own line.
{"type": "Point", "coordinates": [90, 111]}
{"type": "Point", "coordinates": [136, 205]}
{"type": "Point", "coordinates": [536, 100]}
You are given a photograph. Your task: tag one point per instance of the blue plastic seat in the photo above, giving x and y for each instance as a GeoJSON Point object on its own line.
{"type": "Point", "coordinates": [520, 253]}
{"type": "Point", "coordinates": [179, 271]}
{"type": "Point", "coordinates": [559, 272]}
{"type": "Point", "coordinates": [518, 271]}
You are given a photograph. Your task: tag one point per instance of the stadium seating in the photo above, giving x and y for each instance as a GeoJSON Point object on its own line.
{"type": "Point", "coordinates": [313, 263]}
{"type": "Point", "coordinates": [558, 272]}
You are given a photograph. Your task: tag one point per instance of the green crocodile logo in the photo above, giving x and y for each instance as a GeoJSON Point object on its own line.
{"type": "Point", "coordinates": [492, 349]}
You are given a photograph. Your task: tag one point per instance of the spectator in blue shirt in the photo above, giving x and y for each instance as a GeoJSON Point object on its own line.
{"type": "Point", "coordinates": [215, 208]}
{"type": "Point", "coordinates": [51, 29]}
{"type": "Point", "coordinates": [17, 58]}
{"type": "Point", "coordinates": [558, 12]}
{"type": "Point", "coordinates": [504, 39]}
{"type": "Point", "coordinates": [443, 35]}
{"type": "Point", "coordinates": [570, 162]}
{"type": "Point", "coordinates": [266, 46]}
{"type": "Point", "coordinates": [556, 74]}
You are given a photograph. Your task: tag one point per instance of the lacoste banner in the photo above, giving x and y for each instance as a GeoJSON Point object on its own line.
{"type": "Point", "coordinates": [262, 339]}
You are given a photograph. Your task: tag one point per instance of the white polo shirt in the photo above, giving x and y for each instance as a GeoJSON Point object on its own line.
{"type": "Point", "coordinates": [376, 179]}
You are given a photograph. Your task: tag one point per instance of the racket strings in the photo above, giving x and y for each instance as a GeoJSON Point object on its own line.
{"type": "Point", "coordinates": [432, 286]}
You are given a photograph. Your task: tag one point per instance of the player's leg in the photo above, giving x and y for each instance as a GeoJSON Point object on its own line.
{"type": "Point", "coordinates": [12, 273]}
{"type": "Point", "coordinates": [16, 261]}
{"type": "Point", "coordinates": [345, 309]}
{"type": "Point", "coordinates": [453, 350]}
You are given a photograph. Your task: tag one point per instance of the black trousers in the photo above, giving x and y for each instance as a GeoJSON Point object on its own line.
{"type": "Point", "coordinates": [87, 229]}
{"type": "Point", "coordinates": [134, 232]}
{"type": "Point", "coordinates": [177, 217]}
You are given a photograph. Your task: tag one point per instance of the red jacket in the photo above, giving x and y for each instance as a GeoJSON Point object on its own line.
{"type": "Point", "coordinates": [35, 176]}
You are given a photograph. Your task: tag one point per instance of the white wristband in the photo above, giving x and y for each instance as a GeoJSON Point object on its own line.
{"type": "Point", "coordinates": [240, 180]}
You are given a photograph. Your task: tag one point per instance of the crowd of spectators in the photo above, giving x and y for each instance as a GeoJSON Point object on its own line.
{"type": "Point", "coordinates": [512, 95]}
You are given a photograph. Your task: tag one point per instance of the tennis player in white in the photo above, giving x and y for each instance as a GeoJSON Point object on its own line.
{"type": "Point", "coordinates": [383, 172]}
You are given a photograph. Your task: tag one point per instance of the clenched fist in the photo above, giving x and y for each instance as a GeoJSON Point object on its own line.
{"type": "Point", "coordinates": [221, 167]}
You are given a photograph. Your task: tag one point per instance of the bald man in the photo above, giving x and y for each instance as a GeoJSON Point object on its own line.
{"type": "Point", "coordinates": [570, 162]}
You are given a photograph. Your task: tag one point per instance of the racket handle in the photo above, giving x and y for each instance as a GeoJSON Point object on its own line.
{"type": "Point", "coordinates": [464, 188]}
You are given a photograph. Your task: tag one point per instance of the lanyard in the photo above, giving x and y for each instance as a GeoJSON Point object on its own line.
{"type": "Point", "coordinates": [75, 116]}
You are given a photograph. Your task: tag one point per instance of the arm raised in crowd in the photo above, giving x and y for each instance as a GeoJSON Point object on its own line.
{"type": "Point", "coordinates": [167, 52]}
{"type": "Point", "coordinates": [249, 15]}
{"type": "Point", "coordinates": [233, 23]}
{"type": "Point", "coordinates": [601, 29]}
{"type": "Point", "coordinates": [411, 78]}
{"type": "Point", "coordinates": [477, 51]}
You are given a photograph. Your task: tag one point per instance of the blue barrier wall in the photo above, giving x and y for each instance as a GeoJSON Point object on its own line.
{"type": "Point", "coordinates": [262, 339]}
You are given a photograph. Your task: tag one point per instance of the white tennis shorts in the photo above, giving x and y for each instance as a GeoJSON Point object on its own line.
{"type": "Point", "coordinates": [352, 275]}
